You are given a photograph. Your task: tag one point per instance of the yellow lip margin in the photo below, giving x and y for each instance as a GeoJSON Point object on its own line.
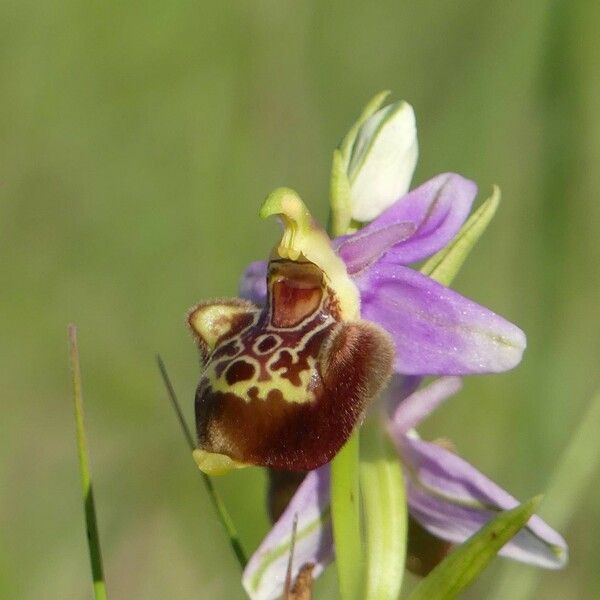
{"type": "Point", "coordinates": [212, 463]}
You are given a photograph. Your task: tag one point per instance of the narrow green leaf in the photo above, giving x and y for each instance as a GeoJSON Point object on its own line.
{"type": "Point", "coordinates": [461, 568]}
{"type": "Point", "coordinates": [384, 502]}
{"type": "Point", "coordinates": [445, 264]}
{"type": "Point", "coordinates": [345, 515]}
{"type": "Point", "coordinates": [215, 498]}
{"type": "Point", "coordinates": [89, 509]}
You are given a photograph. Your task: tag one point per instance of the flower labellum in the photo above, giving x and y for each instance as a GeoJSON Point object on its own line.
{"type": "Point", "coordinates": [284, 385]}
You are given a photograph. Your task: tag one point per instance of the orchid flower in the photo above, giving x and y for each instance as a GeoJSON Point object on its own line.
{"type": "Point", "coordinates": [288, 376]}
{"type": "Point", "coordinates": [293, 366]}
{"type": "Point", "coordinates": [435, 331]}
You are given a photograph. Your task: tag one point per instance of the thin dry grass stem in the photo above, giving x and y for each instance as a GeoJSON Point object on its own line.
{"type": "Point", "coordinates": [288, 575]}
{"type": "Point", "coordinates": [302, 588]}
{"type": "Point", "coordinates": [217, 501]}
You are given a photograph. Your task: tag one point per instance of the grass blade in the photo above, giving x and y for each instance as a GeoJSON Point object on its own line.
{"type": "Point", "coordinates": [91, 524]}
{"type": "Point", "coordinates": [461, 568]}
{"type": "Point", "coordinates": [217, 501]}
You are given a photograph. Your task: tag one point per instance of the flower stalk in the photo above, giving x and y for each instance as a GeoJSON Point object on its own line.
{"type": "Point", "coordinates": [384, 501]}
{"type": "Point", "coordinates": [345, 514]}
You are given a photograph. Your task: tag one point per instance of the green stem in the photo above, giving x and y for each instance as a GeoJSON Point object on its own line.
{"type": "Point", "coordinates": [91, 524]}
{"type": "Point", "coordinates": [384, 501]}
{"type": "Point", "coordinates": [345, 514]}
{"type": "Point", "coordinates": [345, 488]}
{"type": "Point", "coordinates": [217, 501]}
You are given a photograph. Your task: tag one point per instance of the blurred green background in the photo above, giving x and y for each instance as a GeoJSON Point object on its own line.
{"type": "Point", "coordinates": [137, 140]}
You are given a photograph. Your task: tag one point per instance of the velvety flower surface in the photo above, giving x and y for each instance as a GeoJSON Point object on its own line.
{"type": "Point", "coordinates": [435, 330]}
{"type": "Point", "coordinates": [446, 495]}
{"type": "Point", "coordinates": [284, 385]}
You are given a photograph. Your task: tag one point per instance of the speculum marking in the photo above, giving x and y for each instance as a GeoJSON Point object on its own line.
{"type": "Point", "coordinates": [240, 370]}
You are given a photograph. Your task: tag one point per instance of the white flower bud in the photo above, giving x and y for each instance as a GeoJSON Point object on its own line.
{"type": "Point", "coordinates": [382, 160]}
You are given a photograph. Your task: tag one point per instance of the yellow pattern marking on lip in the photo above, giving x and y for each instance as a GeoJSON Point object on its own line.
{"type": "Point", "coordinates": [216, 375]}
{"type": "Point", "coordinates": [212, 321]}
{"type": "Point", "coordinates": [291, 392]}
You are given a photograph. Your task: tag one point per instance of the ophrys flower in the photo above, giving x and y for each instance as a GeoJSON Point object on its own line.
{"type": "Point", "coordinates": [286, 379]}
{"type": "Point", "coordinates": [284, 385]}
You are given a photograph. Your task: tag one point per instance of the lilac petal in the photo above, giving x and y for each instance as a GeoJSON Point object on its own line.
{"type": "Point", "coordinates": [420, 404]}
{"type": "Point", "coordinates": [361, 249]}
{"type": "Point", "coordinates": [435, 330]}
{"type": "Point", "coordinates": [437, 210]}
{"type": "Point", "coordinates": [253, 283]}
{"type": "Point", "coordinates": [264, 576]}
{"type": "Point", "coordinates": [399, 389]}
{"type": "Point", "coordinates": [452, 500]}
